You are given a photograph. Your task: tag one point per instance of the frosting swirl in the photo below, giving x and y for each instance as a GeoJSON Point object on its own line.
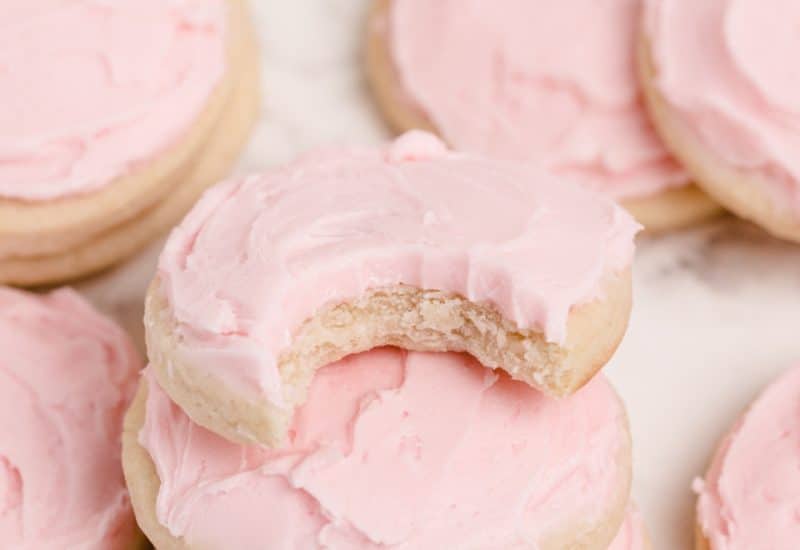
{"type": "Point", "coordinates": [750, 497]}
{"type": "Point", "coordinates": [508, 78]}
{"type": "Point", "coordinates": [258, 256]}
{"type": "Point", "coordinates": [66, 376]}
{"type": "Point", "coordinates": [89, 90]}
{"type": "Point", "coordinates": [725, 66]}
{"type": "Point", "coordinates": [395, 450]}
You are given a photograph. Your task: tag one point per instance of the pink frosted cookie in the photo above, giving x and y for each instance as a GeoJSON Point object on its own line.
{"type": "Point", "coordinates": [508, 78]}
{"type": "Point", "coordinates": [114, 116]}
{"type": "Point", "coordinates": [275, 275]}
{"type": "Point", "coordinates": [750, 498]}
{"type": "Point", "coordinates": [66, 377]}
{"type": "Point", "coordinates": [724, 92]}
{"type": "Point", "coordinates": [393, 450]}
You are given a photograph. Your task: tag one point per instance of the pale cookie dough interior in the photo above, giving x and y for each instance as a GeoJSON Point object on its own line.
{"type": "Point", "coordinates": [274, 275]}
{"type": "Point", "coordinates": [671, 208]}
{"type": "Point", "coordinates": [370, 461]}
{"type": "Point", "coordinates": [424, 320]}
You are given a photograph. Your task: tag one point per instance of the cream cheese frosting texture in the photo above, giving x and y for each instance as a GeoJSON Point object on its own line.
{"type": "Point", "coordinates": [728, 68]}
{"type": "Point", "coordinates": [91, 89]}
{"type": "Point", "coordinates": [750, 498]}
{"type": "Point", "coordinates": [66, 377]}
{"type": "Point", "coordinates": [258, 256]}
{"type": "Point", "coordinates": [394, 449]}
{"type": "Point", "coordinates": [538, 80]}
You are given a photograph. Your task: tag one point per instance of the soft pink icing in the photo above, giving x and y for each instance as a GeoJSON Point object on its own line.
{"type": "Point", "coordinates": [633, 534]}
{"type": "Point", "coordinates": [394, 449]}
{"type": "Point", "coordinates": [750, 498]}
{"type": "Point", "coordinates": [90, 89]}
{"type": "Point", "coordinates": [538, 80]}
{"type": "Point", "coordinates": [728, 67]}
{"type": "Point", "coordinates": [66, 377]}
{"type": "Point", "coordinates": [258, 256]}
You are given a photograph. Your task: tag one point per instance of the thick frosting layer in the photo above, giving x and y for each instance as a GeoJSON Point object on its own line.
{"type": "Point", "coordinates": [395, 449]}
{"type": "Point", "coordinates": [91, 89]}
{"type": "Point", "coordinates": [728, 68]}
{"type": "Point", "coordinates": [633, 533]}
{"type": "Point", "coordinates": [258, 256]}
{"type": "Point", "coordinates": [66, 377]}
{"type": "Point", "coordinates": [750, 498]}
{"type": "Point", "coordinates": [510, 78]}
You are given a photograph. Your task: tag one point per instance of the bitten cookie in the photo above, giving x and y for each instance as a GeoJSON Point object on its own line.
{"type": "Point", "coordinates": [750, 497]}
{"type": "Point", "coordinates": [508, 78]}
{"type": "Point", "coordinates": [726, 103]}
{"type": "Point", "coordinates": [67, 375]}
{"type": "Point", "coordinates": [116, 115]}
{"type": "Point", "coordinates": [393, 449]}
{"type": "Point", "coordinates": [275, 275]}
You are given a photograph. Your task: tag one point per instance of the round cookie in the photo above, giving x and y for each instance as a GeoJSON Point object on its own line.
{"type": "Point", "coordinates": [144, 147]}
{"type": "Point", "coordinates": [393, 448]}
{"type": "Point", "coordinates": [751, 492]}
{"type": "Point", "coordinates": [67, 375]}
{"type": "Point", "coordinates": [442, 67]}
{"type": "Point", "coordinates": [725, 105]}
{"type": "Point", "coordinates": [272, 276]}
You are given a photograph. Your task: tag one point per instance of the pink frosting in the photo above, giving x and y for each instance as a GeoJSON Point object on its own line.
{"type": "Point", "coordinates": [750, 498]}
{"type": "Point", "coordinates": [394, 449]}
{"type": "Point", "coordinates": [258, 256]}
{"type": "Point", "coordinates": [728, 68]}
{"type": "Point", "coordinates": [539, 80]}
{"type": "Point", "coordinates": [633, 533]}
{"type": "Point", "coordinates": [90, 89]}
{"type": "Point", "coordinates": [66, 377]}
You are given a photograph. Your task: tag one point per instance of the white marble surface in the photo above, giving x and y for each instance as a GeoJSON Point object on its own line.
{"type": "Point", "coordinates": [717, 309]}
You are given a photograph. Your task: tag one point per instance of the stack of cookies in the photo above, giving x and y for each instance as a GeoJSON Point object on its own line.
{"type": "Point", "coordinates": [115, 117]}
{"type": "Point", "coordinates": [387, 348]}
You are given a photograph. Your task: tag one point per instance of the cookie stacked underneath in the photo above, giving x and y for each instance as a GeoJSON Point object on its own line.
{"type": "Point", "coordinates": [115, 117]}
{"type": "Point", "coordinates": [387, 348]}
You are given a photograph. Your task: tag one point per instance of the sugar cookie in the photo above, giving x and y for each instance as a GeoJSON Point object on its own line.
{"type": "Point", "coordinates": [154, 102]}
{"type": "Point", "coordinates": [67, 375]}
{"type": "Point", "coordinates": [726, 104]}
{"type": "Point", "coordinates": [750, 497]}
{"type": "Point", "coordinates": [507, 79]}
{"type": "Point", "coordinates": [402, 450]}
{"type": "Point", "coordinates": [275, 275]}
